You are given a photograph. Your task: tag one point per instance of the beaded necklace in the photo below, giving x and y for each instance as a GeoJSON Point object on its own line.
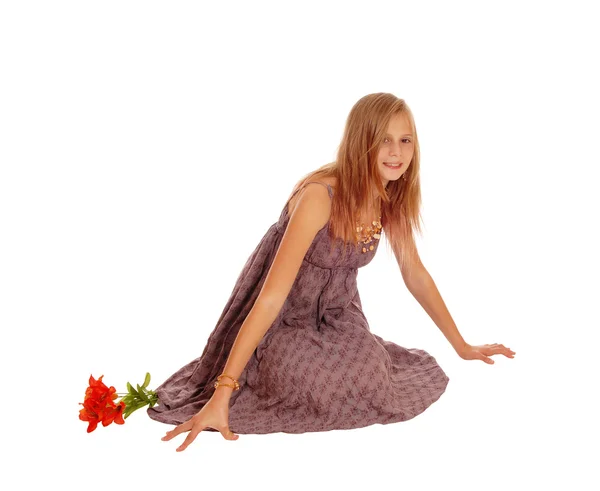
{"type": "Point", "coordinates": [367, 234]}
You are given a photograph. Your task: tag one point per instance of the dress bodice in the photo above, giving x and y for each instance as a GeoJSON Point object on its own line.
{"type": "Point", "coordinates": [320, 253]}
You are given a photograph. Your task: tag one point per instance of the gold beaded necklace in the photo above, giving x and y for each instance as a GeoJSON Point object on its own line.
{"type": "Point", "coordinates": [367, 234]}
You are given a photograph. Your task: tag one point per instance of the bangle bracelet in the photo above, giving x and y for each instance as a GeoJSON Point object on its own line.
{"type": "Point", "coordinates": [221, 384]}
{"type": "Point", "coordinates": [235, 385]}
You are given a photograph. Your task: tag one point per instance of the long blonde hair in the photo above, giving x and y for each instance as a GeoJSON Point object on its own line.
{"type": "Point", "coordinates": [356, 173]}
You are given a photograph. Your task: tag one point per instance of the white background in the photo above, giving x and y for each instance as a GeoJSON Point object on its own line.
{"type": "Point", "coordinates": [145, 149]}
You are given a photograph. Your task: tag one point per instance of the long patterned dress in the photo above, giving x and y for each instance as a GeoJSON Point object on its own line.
{"type": "Point", "coordinates": [318, 367]}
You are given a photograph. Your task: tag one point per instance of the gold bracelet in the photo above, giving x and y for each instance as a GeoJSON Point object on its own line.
{"type": "Point", "coordinates": [225, 375]}
{"type": "Point", "coordinates": [221, 384]}
{"type": "Point", "coordinates": [218, 383]}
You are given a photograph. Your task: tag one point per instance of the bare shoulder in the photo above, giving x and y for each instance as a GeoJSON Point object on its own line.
{"type": "Point", "coordinates": [329, 180]}
{"type": "Point", "coordinates": [310, 215]}
{"type": "Point", "coordinates": [312, 203]}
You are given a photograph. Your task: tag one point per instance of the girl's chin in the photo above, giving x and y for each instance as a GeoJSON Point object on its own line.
{"type": "Point", "coordinates": [393, 176]}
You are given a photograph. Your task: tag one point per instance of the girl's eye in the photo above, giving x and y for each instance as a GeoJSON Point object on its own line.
{"type": "Point", "coordinates": [404, 139]}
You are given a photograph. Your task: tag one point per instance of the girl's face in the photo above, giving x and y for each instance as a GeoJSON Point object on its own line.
{"type": "Point", "coordinates": [397, 147]}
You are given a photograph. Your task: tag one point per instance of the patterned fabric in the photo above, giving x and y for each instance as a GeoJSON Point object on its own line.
{"type": "Point", "coordinates": [318, 367]}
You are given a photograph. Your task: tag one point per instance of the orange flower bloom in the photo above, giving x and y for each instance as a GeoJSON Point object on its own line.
{"type": "Point", "coordinates": [99, 406]}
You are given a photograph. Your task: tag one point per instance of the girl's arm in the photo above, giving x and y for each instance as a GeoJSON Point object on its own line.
{"type": "Point", "coordinates": [420, 284]}
{"type": "Point", "coordinates": [423, 288]}
{"type": "Point", "coordinates": [310, 215]}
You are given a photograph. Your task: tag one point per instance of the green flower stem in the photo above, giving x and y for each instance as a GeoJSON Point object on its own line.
{"type": "Point", "coordinates": [138, 397]}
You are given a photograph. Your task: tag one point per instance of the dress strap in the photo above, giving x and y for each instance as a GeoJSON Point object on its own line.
{"type": "Point", "coordinates": [329, 190]}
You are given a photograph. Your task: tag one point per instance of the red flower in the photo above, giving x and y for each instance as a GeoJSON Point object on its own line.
{"type": "Point", "coordinates": [99, 403]}
{"type": "Point", "coordinates": [99, 406]}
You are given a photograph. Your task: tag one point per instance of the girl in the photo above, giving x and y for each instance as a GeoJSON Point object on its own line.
{"type": "Point", "coordinates": [292, 351]}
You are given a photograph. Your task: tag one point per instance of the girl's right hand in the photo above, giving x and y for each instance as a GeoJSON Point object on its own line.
{"type": "Point", "coordinates": [214, 414]}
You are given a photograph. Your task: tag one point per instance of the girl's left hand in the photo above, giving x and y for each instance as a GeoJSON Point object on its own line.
{"type": "Point", "coordinates": [483, 352]}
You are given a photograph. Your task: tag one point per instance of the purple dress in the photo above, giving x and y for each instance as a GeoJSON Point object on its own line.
{"type": "Point", "coordinates": [318, 367]}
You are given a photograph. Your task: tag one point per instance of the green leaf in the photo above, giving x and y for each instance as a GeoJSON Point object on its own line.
{"type": "Point", "coordinates": [128, 399]}
{"type": "Point", "coordinates": [131, 389]}
{"type": "Point", "coordinates": [146, 380]}
{"type": "Point", "coordinates": [143, 395]}
{"type": "Point", "coordinates": [139, 405]}
{"type": "Point", "coordinates": [131, 409]}
{"type": "Point", "coordinates": [143, 403]}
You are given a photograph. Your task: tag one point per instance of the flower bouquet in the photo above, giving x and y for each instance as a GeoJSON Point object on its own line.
{"type": "Point", "coordinates": [99, 403]}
